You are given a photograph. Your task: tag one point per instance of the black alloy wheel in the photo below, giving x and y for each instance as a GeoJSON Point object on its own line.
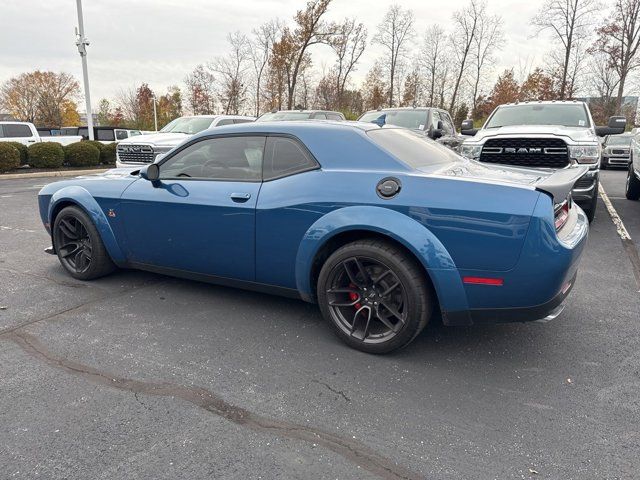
{"type": "Point", "coordinates": [375, 296]}
{"type": "Point", "coordinates": [79, 246]}
{"type": "Point", "coordinates": [73, 244]}
{"type": "Point", "coordinates": [367, 300]}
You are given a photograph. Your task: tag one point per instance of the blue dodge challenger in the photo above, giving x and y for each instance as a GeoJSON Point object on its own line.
{"type": "Point", "coordinates": [381, 227]}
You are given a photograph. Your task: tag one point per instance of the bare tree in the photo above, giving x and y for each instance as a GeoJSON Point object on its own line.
{"type": "Point", "coordinates": [200, 93]}
{"type": "Point", "coordinates": [489, 38]}
{"type": "Point", "coordinates": [467, 22]}
{"type": "Point", "coordinates": [349, 43]}
{"type": "Point", "coordinates": [394, 34]}
{"type": "Point", "coordinates": [619, 40]}
{"type": "Point", "coordinates": [232, 72]}
{"type": "Point", "coordinates": [568, 20]}
{"type": "Point", "coordinates": [260, 49]}
{"type": "Point", "coordinates": [433, 59]}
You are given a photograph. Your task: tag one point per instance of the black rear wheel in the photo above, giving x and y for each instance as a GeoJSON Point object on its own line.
{"type": "Point", "coordinates": [375, 296]}
{"type": "Point", "coordinates": [79, 246]}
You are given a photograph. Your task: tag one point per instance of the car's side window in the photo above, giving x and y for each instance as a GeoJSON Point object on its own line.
{"type": "Point", "coordinates": [319, 116]}
{"type": "Point", "coordinates": [242, 120]}
{"type": "Point", "coordinates": [121, 134]}
{"type": "Point", "coordinates": [236, 158]}
{"type": "Point", "coordinates": [225, 121]}
{"type": "Point", "coordinates": [333, 116]}
{"type": "Point", "coordinates": [285, 156]}
{"type": "Point", "coordinates": [16, 130]}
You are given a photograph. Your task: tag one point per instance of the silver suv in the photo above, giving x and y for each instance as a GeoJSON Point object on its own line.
{"type": "Point", "coordinates": [144, 149]}
{"type": "Point", "coordinates": [547, 135]}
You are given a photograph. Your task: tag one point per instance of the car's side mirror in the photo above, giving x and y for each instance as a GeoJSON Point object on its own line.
{"type": "Point", "coordinates": [467, 128]}
{"type": "Point", "coordinates": [150, 172]}
{"type": "Point", "coordinates": [615, 126]}
{"type": "Point", "coordinates": [436, 133]}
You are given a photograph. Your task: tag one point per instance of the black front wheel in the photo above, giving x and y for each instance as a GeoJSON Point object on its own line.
{"type": "Point", "coordinates": [79, 246]}
{"type": "Point", "coordinates": [632, 187]}
{"type": "Point", "coordinates": [375, 296]}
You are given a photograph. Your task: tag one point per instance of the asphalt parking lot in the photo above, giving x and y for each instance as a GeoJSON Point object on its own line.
{"type": "Point", "coordinates": [144, 376]}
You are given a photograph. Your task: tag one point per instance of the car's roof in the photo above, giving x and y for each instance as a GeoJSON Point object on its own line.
{"type": "Point", "coordinates": [393, 109]}
{"type": "Point", "coordinates": [12, 121]}
{"type": "Point", "coordinates": [291, 127]}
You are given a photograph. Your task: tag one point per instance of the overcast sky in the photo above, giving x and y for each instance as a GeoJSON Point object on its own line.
{"type": "Point", "coordinates": [160, 41]}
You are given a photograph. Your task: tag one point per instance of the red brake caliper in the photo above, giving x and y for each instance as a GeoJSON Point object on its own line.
{"type": "Point", "coordinates": [353, 296]}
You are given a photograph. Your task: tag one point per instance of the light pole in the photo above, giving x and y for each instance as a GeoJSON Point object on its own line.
{"type": "Point", "coordinates": [82, 43]}
{"type": "Point", "coordinates": [155, 115]}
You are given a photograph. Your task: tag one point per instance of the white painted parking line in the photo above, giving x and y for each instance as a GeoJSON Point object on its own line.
{"type": "Point", "coordinates": [627, 243]}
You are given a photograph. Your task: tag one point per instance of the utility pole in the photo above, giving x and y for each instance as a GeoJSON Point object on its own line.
{"type": "Point", "coordinates": [82, 43]}
{"type": "Point", "coordinates": [155, 115]}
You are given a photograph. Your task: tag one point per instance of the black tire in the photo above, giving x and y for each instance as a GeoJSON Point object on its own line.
{"type": "Point", "coordinates": [358, 295]}
{"type": "Point", "coordinates": [632, 189]}
{"type": "Point", "coordinates": [590, 208]}
{"type": "Point", "coordinates": [79, 246]}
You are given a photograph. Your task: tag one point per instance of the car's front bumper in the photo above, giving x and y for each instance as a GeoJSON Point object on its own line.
{"type": "Point", "coordinates": [586, 187]}
{"type": "Point", "coordinates": [616, 160]}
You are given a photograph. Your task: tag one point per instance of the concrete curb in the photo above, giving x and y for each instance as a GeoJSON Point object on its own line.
{"type": "Point", "coordinates": [53, 173]}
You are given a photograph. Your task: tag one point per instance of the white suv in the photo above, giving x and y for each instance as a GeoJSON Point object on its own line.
{"type": "Point", "coordinates": [144, 149]}
{"type": "Point", "coordinates": [549, 135]}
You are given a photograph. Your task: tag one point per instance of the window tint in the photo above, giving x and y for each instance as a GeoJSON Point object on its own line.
{"type": "Point", "coordinates": [105, 135]}
{"type": "Point", "coordinates": [226, 121]}
{"type": "Point", "coordinates": [448, 123]}
{"type": "Point", "coordinates": [242, 120]}
{"type": "Point", "coordinates": [44, 133]}
{"type": "Point", "coordinates": [412, 148]}
{"type": "Point", "coordinates": [14, 130]}
{"type": "Point", "coordinates": [415, 119]}
{"type": "Point", "coordinates": [285, 157]}
{"type": "Point", "coordinates": [84, 131]}
{"type": "Point", "coordinates": [333, 116]}
{"type": "Point", "coordinates": [320, 116]}
{"type": "Point", "coordinates": [224, 158]}
{"type": "Point", "coordinates": [121, 134]}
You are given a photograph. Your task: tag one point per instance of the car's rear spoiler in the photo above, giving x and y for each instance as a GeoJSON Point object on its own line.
{"type": "Point", "coordinates": [560, 183]}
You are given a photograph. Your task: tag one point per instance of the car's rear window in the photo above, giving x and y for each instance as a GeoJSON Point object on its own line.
{"type": "Point", "coordinates": [412, 148]}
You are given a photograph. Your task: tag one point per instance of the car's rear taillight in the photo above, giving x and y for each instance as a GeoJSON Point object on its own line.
{"type": "Point", "coordinates": [562, 213]}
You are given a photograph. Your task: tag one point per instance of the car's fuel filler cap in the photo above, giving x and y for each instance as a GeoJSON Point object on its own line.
{"type": "Point", "coordinates": [388, 187]}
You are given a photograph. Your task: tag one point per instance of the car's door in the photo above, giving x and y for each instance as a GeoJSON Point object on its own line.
{"type": "Point", "coordinates": [200, 215]}
{"type": "Point", "coordinates": [284, 212]}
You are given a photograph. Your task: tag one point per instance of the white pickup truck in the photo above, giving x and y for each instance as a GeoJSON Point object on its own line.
{"type": "Point", "coordinates": [26, 133]}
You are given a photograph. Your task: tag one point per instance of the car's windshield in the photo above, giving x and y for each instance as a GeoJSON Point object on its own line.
{"type": "Point", "coordinates": [412, 148]}
{"type": "Point", "coordinates": [619, 140]}
{"type": "Point", "coordinates": [272, 116]}
{"type": "Point", "coordinates": [189, 125]}
{"type": "Point", "coordinates": [416, 119]}
{"type": "Point", "coordinates": [568, 115]}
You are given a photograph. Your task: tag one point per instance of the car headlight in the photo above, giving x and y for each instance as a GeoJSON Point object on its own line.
{"type": "Point", "coordinates": [584, 153]}
{"type": "Point", "coordinates": [471, 151]}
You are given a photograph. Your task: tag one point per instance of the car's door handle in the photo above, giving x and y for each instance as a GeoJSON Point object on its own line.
{"type": "Point", "coordinates": [240, 197]}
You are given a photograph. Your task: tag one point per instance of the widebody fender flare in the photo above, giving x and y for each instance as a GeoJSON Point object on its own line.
{"type": "Point", "coordinates": [398, 226]}
{"type": "Point", "coordinates": [81, 197]}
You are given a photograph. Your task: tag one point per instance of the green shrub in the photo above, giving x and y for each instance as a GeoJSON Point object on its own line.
{"type": "Point", "coordinates": [9, 156]}
{"type": "Point", "coordinates": [22, 148]}
{"type": "Point", "coordinates": [46, 155]}
{"type": "Point", "coordinates": [95, 143]}
{"type": "Point", "coordinates": [108, 154]}
{"type": "Point", "coordinates": [82, 154]}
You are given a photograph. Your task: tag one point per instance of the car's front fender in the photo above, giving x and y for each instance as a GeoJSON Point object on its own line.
{"type": "Point", "coordinates": [80, 196]}
{"type": "Point", "coordinates": [413, 235]}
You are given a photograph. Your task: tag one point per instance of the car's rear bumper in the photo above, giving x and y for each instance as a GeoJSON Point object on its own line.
{"type": "Point", "coordinates": [537, 288]}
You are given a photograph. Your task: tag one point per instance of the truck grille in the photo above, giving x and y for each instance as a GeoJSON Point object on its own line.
{"type": "Point", "coordinates": [619, 152]}
{"type": "Point", "coordinates": [526, 152]}
{"type": "Point", "coordinates": [136, 153]}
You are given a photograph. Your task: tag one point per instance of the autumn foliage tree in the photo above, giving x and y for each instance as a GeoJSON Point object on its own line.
{"type": "Point", "coordinates": [43, 98]}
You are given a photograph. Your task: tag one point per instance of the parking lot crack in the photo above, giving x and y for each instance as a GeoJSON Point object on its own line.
{"type": "Point", "coordinates": [349, 448]}
{"type": "Point", "coordinates": [331, 389]}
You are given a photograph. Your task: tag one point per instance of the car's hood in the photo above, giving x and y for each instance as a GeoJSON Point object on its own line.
{"type": "Point", "coordinates": [157, 139]}
{"type": "Point", "coordinates": [110, 183]}
{"type": "Point", "coordinates": [576, 134]}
